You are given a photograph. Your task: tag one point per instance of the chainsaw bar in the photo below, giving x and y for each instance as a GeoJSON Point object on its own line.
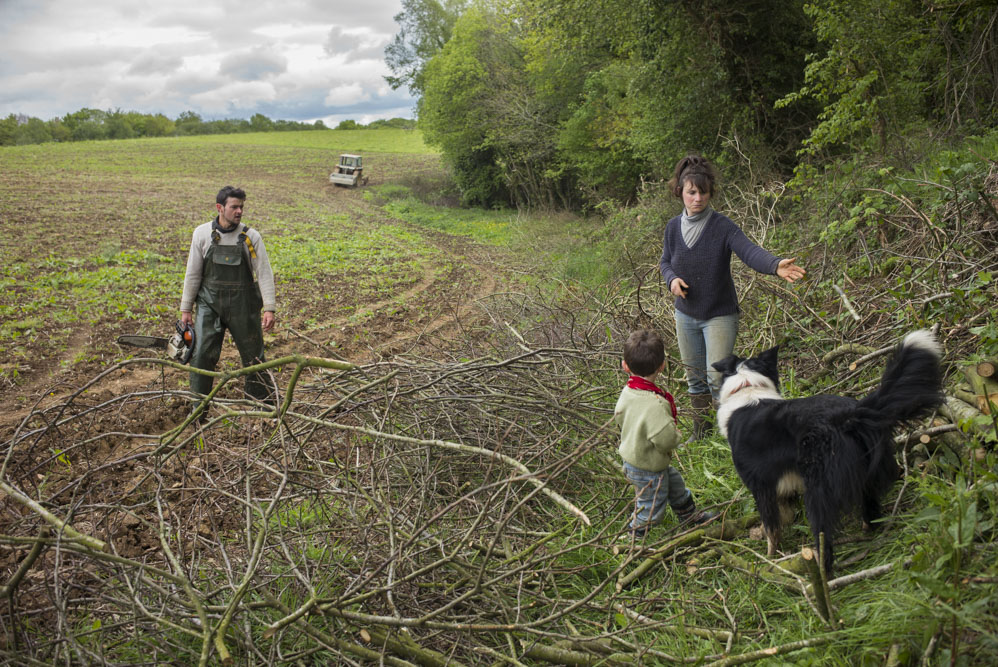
{"type": "Point", "coordinates": [144, 341]}
{"type": "Point", "coordinates": [179, 346]}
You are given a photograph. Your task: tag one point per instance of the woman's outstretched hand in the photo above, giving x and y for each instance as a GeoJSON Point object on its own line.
{"type": "Point", "coordinates": [788, 271]}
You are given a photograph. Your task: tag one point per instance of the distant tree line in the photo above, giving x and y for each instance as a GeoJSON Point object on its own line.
{"type": "Point", "coordinates": [381, 124]}
{"type": "Point", "coordinates": [572, 102]}
{"type": "Point", "coordinates": [95, 124]}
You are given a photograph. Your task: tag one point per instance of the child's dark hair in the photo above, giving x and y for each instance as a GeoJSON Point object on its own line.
{"type": "Point", "coordinates": [644, 352]}
{"type": "Point", "coordinates": [694, 169]}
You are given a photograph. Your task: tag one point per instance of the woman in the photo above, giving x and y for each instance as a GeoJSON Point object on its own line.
{"type": "Point", "coordinates": [696, 265]}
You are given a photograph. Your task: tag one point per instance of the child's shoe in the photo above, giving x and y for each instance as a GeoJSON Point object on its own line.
{"type": "Point", "coordinates": [639, 532]}
{"type": "Point", "coordinates": [697, 517]}
{"type": "Point", "coordinates": [688, 513]}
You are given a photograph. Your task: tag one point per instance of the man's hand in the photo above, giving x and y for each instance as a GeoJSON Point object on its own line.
{"type": "Point", "coordinates": [678, 287]}
{"type": "Point", "coordinates": [186, 318]}
{"type": "Point", "coordinates": [268, 320]}
{"type": "Point", "coordinates": [789, 271]}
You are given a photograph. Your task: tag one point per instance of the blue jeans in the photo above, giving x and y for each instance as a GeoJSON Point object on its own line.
{"type": "Point", "coordinates": [654, 491]}
{"type": "Point", "coordinates": [701, 343]}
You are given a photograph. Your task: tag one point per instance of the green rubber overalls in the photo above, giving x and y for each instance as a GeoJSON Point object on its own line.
{"type": "Point", "coordinates": [229, 298]}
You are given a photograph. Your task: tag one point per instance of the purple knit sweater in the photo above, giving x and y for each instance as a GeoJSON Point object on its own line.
{"type": "Point", "coordinates": [706, 267]}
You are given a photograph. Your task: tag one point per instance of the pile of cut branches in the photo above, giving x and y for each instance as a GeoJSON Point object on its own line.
{"type": "Point", "coordinates": [405, 510]}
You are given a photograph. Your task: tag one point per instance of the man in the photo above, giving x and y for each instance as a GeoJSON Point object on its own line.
{"type": "Point", "coordinates": [229, 278]}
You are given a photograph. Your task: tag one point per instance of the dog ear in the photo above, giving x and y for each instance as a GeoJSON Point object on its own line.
{"type": "Point", "coordinates": [727, 365]}
{"type": "Point", "coordinates": [770, 356]}
{"type": "Point", "coordinates": [766, 363]}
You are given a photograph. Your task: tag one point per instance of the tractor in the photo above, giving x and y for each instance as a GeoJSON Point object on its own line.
{"type": "Point", "coordinates": [349, 171]}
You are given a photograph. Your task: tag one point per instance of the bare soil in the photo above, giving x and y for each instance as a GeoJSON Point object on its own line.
{"type": "Point", "coordinates": [79, 424]}
{"type": "Point", "coordinates": [432, 305]}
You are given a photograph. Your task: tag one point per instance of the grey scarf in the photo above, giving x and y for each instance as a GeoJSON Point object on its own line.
{"type": "Point", "coordinates": [692, 227]}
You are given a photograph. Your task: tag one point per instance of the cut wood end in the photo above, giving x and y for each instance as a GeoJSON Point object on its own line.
{"type": "Point", "coordinates": [807, 553]}
{"type": "Point", "coordinates": [852, 366]}
{"type": "Point", "coordinates": [985, 369]}
{"type": "Point", "coordinates": [925, 438]}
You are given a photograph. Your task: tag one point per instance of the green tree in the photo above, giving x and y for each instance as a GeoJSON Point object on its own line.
{"type": "Point", "coordinates": [644, 82]}
{"type": "Point", "coordinates": [348, 124]}
{"type": "Point", "coordinates": [868, 79]}
{"type": "Point", "coordinates": [453, 111]}
{"type": "Point", "coordinates": [887, 67]}
{"type": "Point", "coordinates": [260, 123]}
{"type": "Point", "coordinates": [32, 132]}
{"type": "Point", "coordinates": [189, 122]}
{"type": "Point", "coordinates": [59, 131]}
{"type": "Point", "coordinates": [159, 126]}
{"type": "Point", "coordinates": [964, 85]}
{"type": "Point", "coordinates": [8, 126]}
{"type": "Point", "coordinates": [86, 124]}
{"type": "Point", "coordinates": [596, 140]}
{"type": "Point", "coordinates": [482, 106]}
{"type": "Point", "coordinates": [425, 26]}
{"type": "Point", "coordinates": [118, 125]}
{"type": "Point", "coordinates": [138, 122]}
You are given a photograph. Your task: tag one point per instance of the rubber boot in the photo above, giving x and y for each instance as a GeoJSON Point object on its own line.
{"type": "Point", "coordinates": [261, 387]}
{"type": "Point", "coordinates": [703, 405]}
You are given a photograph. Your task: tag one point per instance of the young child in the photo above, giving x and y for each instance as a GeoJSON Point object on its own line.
{"type": "Point", "coordinates": [648, 435]}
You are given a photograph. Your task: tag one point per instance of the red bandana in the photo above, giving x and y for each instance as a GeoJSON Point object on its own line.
{"type": "Point", "coordinates": [638, 382]}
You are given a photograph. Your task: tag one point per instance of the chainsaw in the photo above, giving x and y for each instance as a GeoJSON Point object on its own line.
{"type": "Point", "coordinates": [178, 346]}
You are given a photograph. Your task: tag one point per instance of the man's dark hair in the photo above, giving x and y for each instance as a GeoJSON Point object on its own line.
{"type": "Point", "coordinates": [696, 170]}
{"type": "Point", "coordinates": [644, 352]}
{"type": "Point", "coordinates": [229, 191]}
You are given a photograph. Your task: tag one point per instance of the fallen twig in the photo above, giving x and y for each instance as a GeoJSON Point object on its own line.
{"type": "Point", "coordinates": [724, 529]}
{"type": "Point", "coordinates": [765, 653]}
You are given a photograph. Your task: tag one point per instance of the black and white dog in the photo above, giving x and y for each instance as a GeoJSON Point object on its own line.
{"type": "Point", "coordinates": [836, 451]}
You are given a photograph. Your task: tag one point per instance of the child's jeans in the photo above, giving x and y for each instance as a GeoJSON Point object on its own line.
{"type": "Point", "coordinates": [655, 491]}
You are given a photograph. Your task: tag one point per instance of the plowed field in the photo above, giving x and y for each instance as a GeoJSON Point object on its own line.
{"type": "Point", "coordinates": [95, 238]}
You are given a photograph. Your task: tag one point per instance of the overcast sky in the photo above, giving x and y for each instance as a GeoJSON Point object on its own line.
{"type": "Point", "coordinates": [290, 59]}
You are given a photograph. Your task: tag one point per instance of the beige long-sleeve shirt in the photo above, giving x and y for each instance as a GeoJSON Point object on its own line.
{"type": "Point", "coordinates": [201, 241]}
{"type": "Point", "coordinates": [648, 433]}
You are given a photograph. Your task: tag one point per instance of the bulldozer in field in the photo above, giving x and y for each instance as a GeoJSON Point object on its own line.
{"type": "Point", "coordinates": [349, 172]}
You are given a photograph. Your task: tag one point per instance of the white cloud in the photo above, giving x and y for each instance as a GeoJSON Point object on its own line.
{"type": "Point", "coordinates": [154, 62]}
{"type": "Point", "coordinates": [358, 44]}
{"type": "Point", "coordinates": [255, 64]}
{"type": "Point", "coordinates": [233, 96]}
{"type": "Point", "coordinates": [296, 59]}
{"type": "Point", "coordinates": [346, 95]}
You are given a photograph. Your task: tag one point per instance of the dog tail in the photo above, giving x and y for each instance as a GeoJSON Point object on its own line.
{"type": "Point", "coordinates": [911, 386]}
